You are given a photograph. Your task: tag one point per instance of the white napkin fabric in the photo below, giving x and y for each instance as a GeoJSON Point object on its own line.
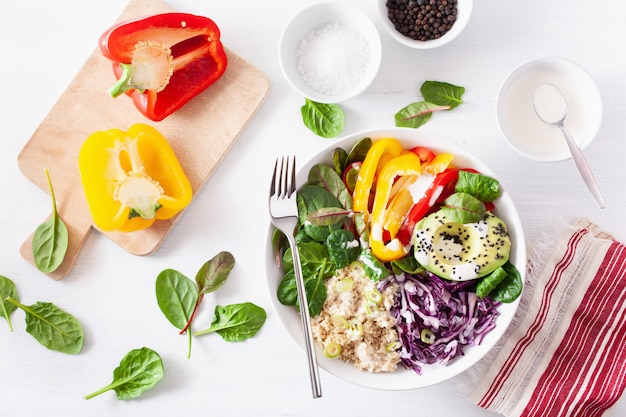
{"type": "Point", "coordinates": [565, 352]}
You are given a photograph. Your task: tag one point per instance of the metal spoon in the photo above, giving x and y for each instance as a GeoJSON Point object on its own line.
{"type": "Point", "coordinates": [551, 106]}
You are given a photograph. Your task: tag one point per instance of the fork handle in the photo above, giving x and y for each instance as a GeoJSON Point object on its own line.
{"type": "Point", "coordinates": [309, 342]}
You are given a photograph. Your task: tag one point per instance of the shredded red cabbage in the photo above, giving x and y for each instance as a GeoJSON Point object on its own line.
{"type": "Point", "coordinates": [436, 318]}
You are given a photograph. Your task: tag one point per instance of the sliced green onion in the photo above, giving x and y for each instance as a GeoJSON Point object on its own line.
{"type": "Point", "coordinates": [370, 308]}
{"type": "Point", "coordinates": [373, 295]}
{"type": "Point", "coordinates": [427, 336]}
{"type": "Point", "coordinates": [393, 346]}
{"type": "Point", "coordinates": [342, 285]}
{"type": "Point", "coordinates": [332, 350]}
{"type": "Point", "coordinates": [357, 266]}
{"type": "Point", "coordinates": [340, 321]}
{"type": "Point", "coordinates": [356, 329]}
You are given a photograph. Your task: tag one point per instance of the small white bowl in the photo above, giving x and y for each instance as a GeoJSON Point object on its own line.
{"type": "Point", "coordinates": [464, 11]}
{"type": "Point", "coordinates": [348, 23]}
{"type": "Point", "coordinates": [520, 125]}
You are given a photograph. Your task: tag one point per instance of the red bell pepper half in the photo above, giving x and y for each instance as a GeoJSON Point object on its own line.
{"type": "Point", "coordinates": [164, 60]}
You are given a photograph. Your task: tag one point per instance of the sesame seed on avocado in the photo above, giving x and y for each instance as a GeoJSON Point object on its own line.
{"type": "Point", "coordinates": [461, 252]}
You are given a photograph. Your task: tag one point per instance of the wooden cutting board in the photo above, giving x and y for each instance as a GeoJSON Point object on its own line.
{"type": "Point", "coordinates": [201, 133]}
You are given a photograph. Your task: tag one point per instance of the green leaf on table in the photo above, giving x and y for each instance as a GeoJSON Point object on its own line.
{"type": "Point", "coordinates": [236, 322]}
{"type": "Point", "coordinates": [177, 297]}
{"type": "Point", "coordinates": [214, 273]}
{"type": "Point", "coordinates": [325, 120]}
{"type": "Point", "coordinates": [52, 327]}
{"type": "Point", "coordinates": [138, 371]}
{"type": "Point", "coordinates": [7, 289]}
{"type": "Point", "coordinates": [417, 114]}
{"type": "Point", "coordinates": [442, 94]}
{"type": "Point", "coordinates": [51, 238]}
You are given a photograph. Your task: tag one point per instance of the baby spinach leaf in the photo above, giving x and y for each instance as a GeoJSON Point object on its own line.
{"type": "Point", "coordinates": [7, 289]}
{"type": "Point", "coordinates": [211, 276]}
{"type": "Point", "coordinates": [214, 273]}
{"type": "Point", "coordinates": [177, 297]}
{"type": "Point", "coordinates": [480, 186]}
{"type": "Point", "coordinates": [511, 286]}
{"type": "Point", "coordinates": [339, 160]}
{"type": "Point", "coordinates": [236, 322]}
{"type": "Point", "coordinates": [327, 178]}
{"type": "Point", "coordinates": [52, 327]}
{"type": "Point", "coordinates": [417, 114]}
{"type": "Point", "coordinates": [358, 151]}
{"type": "Point", "coordinates": [311, 198]}
{"type": "Point", "coordinates": [50, 239]}
{"type": "Point", "coordinates": [343, 248]}
{"type": "Point", "coordinates": [287, 292]}
{"type": "Point", "coordinates": [406, 264]}
{"type": "Point", "coordinates": [325, 120]}
{"type": "Point", "coordinates": [463, 208]}
{"type": "Point", "coordinates": [138, 371]}
{"type": "Point", "coordinates": [442, 94]}
{"type": "Point", "coordinates": [327, 216]}
{"type": "Point", "coordinates": [316, 267]}
{"type": "Point", "coordinates": [490, 282]}
{"type": "Point", "coordinates": [315, 292]}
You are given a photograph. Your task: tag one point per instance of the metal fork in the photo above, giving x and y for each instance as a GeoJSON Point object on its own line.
{"type": "Point", "coordinates": [284, 213]}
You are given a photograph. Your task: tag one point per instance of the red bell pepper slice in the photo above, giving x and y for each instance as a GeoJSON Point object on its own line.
{"type": "Point", "coordinates": [164, 60]}
{"type": "Point", "coordinates": [424, 154]}
{"type": "Point", "coordinates": [441, 187]}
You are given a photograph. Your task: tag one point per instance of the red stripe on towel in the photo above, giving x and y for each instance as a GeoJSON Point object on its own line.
{"type": "Point", "coordinates": [529, 337]}
{"type": "Point", "coordinates": [592, 382]}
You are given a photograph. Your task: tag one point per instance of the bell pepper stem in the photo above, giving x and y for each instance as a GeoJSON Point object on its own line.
{"type": "Point", "coordinates": [124, 83]}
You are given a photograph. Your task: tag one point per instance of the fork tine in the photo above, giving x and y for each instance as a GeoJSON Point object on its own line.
{"type": "Point", "coordinates": [292, 186]}
{"type": "Point", "coordinates": [273, 189]}
{"type": "Point", "coordinates": [284, 177]}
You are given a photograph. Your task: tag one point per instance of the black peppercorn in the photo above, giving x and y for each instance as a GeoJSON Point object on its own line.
{"type": "Point", "coordinates": [422, 19]}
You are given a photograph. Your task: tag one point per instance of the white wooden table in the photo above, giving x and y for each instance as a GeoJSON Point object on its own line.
{"type": "Point", "coordinates": [43, 44]}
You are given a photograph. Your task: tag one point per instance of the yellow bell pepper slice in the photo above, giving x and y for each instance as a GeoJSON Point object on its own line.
{"type": "Point", "coordinates": [131, 179]}
{"type": "Point", "coordinates": [439, 164]}
{"type": "Point", "coordinates": [407, 164]}
{"type": "Point", "coordinates": [381, 151]}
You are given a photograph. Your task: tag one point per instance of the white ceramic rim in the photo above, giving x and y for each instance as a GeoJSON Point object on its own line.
{"type": "Point", "coordinates": [552, 62]}
{"type": "Point", "coordinates": [403, 379]}
{"type": "Point", "coordinates": [464, 13]}
{"type": "Point", "coordinates": [349, 16]}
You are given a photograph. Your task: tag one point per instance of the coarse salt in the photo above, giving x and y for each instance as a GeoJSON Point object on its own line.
{"type": "Point", "coordinates": [332, 59]}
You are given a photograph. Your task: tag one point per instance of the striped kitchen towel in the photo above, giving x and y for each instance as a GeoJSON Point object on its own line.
{"type": "Point", "coordinates": [565, 352]}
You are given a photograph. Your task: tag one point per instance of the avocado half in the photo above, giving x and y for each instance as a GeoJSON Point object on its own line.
{"type": "Point", "coordinates": [461, 252]}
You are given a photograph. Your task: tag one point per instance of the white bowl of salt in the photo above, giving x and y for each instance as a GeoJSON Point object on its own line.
{"type": "Point", "coordinates": [330, 52]}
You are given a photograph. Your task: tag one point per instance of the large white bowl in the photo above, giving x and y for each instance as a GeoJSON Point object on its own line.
{"type": "Point", "coordinates": [464, 11]}
{"type": "Point", "coordinates": [315, 17]}
{"type": "Point", "coordinates": [403, 379]}
{"type": "Point", "coordinates": [520, 125]}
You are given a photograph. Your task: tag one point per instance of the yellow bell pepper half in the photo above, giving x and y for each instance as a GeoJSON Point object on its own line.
{"type": "Point", "coordinates": [406, 165]}
{"type": "Point", "coordinates": [132, 178]}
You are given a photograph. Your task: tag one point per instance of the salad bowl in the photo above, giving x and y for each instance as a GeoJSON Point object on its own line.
{"type": "Point", "coordinates": [404, 379]}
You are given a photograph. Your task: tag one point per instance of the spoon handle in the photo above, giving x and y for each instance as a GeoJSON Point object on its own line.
{"type": "Point", "coordinates": [583, 168]}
